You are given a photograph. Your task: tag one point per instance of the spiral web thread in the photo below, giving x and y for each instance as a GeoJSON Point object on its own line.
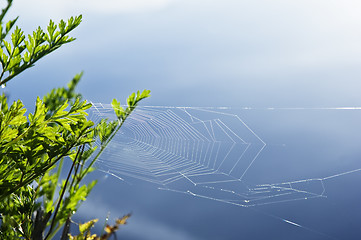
{"type": "Point", "coordinates": [202, 152]}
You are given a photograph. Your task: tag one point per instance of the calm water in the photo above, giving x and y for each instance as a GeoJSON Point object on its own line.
{"type": "Point", "coordinates": [311, 160]}
{"type": "Point", "coordinates": [259, 54]}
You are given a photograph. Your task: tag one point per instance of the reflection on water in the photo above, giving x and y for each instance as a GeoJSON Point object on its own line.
{"type": "Point", "coordinates": [302, 163]}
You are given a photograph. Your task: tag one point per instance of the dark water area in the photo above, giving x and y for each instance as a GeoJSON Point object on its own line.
{"type": "Point", "coordinates": [316, 150]}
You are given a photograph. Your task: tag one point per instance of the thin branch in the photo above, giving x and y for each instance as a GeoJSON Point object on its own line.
{"type": "Point", "coordinates": [80, 151]}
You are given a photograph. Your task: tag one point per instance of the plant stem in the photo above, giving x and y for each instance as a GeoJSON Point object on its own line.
{"type": "Point", "coordinates": [80, 151]}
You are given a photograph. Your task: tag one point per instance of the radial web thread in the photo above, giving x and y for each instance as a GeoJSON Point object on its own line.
{"type": "Point", "coordinates": [201, 152]}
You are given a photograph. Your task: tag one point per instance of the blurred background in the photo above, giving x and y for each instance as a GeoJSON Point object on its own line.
{"type": "Point", "coordinates": [235, 53]}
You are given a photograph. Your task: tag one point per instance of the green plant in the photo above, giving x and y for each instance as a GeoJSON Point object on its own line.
{"type": "Point", "coordinates": [34, 201]}
{"type": "Point", "coordinates": [84, 230]}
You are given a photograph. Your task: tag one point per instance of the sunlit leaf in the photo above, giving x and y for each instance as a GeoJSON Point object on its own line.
{"type": "Point", "coordinates": [87, 226]}
{"type": "Point", "coordinates": [123, 220]}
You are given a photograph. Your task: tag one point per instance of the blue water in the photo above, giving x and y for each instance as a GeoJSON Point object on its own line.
{"type": "Point", "coordinates": [237, 54]}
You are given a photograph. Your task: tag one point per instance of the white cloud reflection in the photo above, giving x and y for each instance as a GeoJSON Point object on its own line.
{"type": "Point", "coordinates": [248, 49]}
{"type": "Point", "coordinates": [61, 8]}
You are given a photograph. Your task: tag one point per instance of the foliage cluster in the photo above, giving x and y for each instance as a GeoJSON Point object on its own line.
{"type": "Point", "coordinates": [84, 230]}
{"type": "Point", "coordinates": [35, 202]}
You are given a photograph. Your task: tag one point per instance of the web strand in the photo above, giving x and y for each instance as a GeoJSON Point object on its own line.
{"type": "Point", "coordinates": [203, 152]}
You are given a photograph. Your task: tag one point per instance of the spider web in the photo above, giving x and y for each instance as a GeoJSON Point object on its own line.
{"type": "Point", "coordinates": [202, 152]}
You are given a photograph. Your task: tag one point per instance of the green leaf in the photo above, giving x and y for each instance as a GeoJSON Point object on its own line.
{"type": "Point", "coordinates": [145, 94]}
{"type": "Point", "coordinates": [119, 110]}
{"type": "Point", "coordinates": [85, 227]}
{"type": "Point", "coordinates": [131, 100]}
{"type": "Point", "coordinates": [7, 46]}
{"type": "Point", "coordinates": [10, 24]}
{"type": "Point", "coordinates": [40, 112]}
